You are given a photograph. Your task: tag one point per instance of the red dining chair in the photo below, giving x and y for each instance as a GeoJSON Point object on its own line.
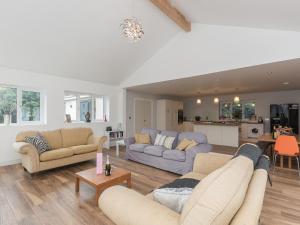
{"type": "Point", "coordinates": [286, 146]}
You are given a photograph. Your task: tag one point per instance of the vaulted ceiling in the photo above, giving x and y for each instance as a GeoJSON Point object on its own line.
{"type": "Point", "coordinates": [81, 39]}
{"type": "Point", "coordinates": [269, 14]}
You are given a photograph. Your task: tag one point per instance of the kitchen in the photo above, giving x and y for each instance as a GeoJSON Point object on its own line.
{"type": "Point", "coordinates": [234, 119]}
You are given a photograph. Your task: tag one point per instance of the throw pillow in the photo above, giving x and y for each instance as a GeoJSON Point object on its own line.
{"type": "Point", "coordinates": [39, 142]}
{"type": "Point", "coordinates": [142, 138]}
{"type": "Point", "coordinates": [159, 140]}
{"type": "Point", "coordinates": [183, 144]}
{"type": "Point", "coordinates": [192, 144]}
{"type": "Point", "coordinates": [175, 194]}
{"type": "Point", "coordinates": [168, 143]}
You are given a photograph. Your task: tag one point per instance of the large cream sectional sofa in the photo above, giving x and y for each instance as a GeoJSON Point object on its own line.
{"type": "Point", "coordinates": [69, 146]}
{"type": "Point", "coordinates": [230, 192]}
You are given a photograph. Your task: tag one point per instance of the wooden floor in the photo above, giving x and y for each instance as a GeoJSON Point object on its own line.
{"type": "Point", "coordinates": [49, 198]}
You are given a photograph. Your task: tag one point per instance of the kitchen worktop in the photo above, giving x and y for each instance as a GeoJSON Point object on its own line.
{"type": "Point", "coordinates": [214, 123]}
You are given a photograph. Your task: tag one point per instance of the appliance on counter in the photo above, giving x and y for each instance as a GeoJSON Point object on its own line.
{"type": "Point", "coordinates": [255, 130]}
{"type": "Point", "coordinates": [285, 115]}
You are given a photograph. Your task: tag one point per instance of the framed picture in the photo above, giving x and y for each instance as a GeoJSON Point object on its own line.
{"type": "Point", "coordinates": [68, 118]}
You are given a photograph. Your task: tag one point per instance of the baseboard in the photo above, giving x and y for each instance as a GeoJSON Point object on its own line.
{"type": "Point", "coordinates": [11, 162]}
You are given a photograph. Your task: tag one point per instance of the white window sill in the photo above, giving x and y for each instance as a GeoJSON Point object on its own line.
{"type": "Point", "coordinates": [23, 124]}
{"type": "Point", "coordinates": [82, 122]}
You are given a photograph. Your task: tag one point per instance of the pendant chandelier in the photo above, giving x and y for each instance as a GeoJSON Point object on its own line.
{"type": "Point", "coordinates": [132, 29]}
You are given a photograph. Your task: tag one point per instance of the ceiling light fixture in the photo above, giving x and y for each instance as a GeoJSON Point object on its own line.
{"type": "Point", "coordinates": [286, 83]}
{"type": "Point", "coordinates": [236, 99]}
{"type": "Point", "coordinates": [132, 28]}
{"type": "Point", "coordinates": [198, 101]}
{"type": "Point", "coordinates": [216, 100]}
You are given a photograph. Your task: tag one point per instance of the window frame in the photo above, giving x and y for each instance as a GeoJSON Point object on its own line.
{"type": "Point", "coordinates": [242, 102]}
{"type": "Point", "coordinates": [19, 105]}
{"type": "Point", "coordinates": [93, 98]}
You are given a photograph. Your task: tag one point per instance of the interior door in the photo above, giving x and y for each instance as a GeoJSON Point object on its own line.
{"type": "Point", "coordinates": [143, 114]}
{"type": "Point", "coordinates": [147, 114]}
{"type": "Point", "coordinates": [139, 115]}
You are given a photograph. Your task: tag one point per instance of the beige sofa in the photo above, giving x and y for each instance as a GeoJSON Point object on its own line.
{"type": "Point", "coordinates": [229, 193]}
{"type": "Point", "coordinates": [68, 146]}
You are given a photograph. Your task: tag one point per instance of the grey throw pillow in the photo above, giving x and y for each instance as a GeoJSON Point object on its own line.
{"type": "Point", "coordinates": [39, 142]}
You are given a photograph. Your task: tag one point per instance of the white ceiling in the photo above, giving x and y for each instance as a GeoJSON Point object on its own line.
{"type": "Point", "coordinates": [262, 78]}
{"type": "Point", "coordinates": [271, 14]}
{"type": "Point", "coordinates": [79, 38]}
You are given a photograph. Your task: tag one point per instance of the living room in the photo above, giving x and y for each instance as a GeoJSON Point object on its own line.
{"type": "Point", "coordinates": [155, 95]}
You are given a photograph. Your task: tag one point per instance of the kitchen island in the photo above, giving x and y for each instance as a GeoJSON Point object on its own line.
{"type": "Point", "coordinates": [219, 133]}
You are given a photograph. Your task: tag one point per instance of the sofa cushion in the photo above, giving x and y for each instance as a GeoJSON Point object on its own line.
{"type": "Point", "coordinates": [169, 142]}
{"type": "Point", "coordinates": [142, 138]}
{"type": "Point", "coordinates": [56, 154]}
{"type": "Point", "coordinates": [169, 133]}
{"type": "Point", "coordinates": [81, 149]}
{"type": "Point", "coordinates": [75, 136]}
{"type": "Point", "coordinates": [54, 138]}
{"type": "Point", "coordinates": [138, 147]}
{"type": "Point", "coordinates": [183, 144]}
{"type": "Point", "coordinates": [196, 136]}
{"type": "Point", "coordinates": [39, 142]}
{"type": "Point", "coordinates": [217, 198]}
{"type": "Point", "coordinates": [175, 155]}
{"type": "Point", "coordinates": [152, 132]}
{"type": "Point", "coordinates": [155, 150]}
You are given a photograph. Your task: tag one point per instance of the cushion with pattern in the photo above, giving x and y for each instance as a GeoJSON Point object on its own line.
{"type": "Point", "coordinates": [39, 142]}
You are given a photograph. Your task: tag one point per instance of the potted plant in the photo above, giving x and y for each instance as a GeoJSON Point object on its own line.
{"type": "Point", "coordinates": [6, 109]}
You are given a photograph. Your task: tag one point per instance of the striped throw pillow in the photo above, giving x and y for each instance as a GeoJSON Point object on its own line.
{"type": "Point", "coordinates": [169, 142]}
{"type": "Point", "coordinates": [159, 140]}
{"type": "Point", "coordinates": [39, 142]}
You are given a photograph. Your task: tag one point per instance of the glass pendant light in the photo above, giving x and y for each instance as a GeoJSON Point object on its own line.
{"type": "Point", "coordinates": [236, 99]}
{"type": "Point", "coordinates": [216, 100]}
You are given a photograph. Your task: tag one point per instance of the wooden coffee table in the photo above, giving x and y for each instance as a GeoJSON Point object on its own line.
{"type": "Point", "coordinates": [101, 182]}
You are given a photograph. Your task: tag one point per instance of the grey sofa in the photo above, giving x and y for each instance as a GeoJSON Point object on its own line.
{"type": "Point", "coordinates": [180, 162]}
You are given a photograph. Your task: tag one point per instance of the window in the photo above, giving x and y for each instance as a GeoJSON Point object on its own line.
{"type": "Point", "coordinates": [78, 106]}
{"type": "Point", "coordinates": [225, 110]}
{"type": "Point", "coordinates": [31, 104]}
{"type": "Point", "coordinates": [8, 103]}
{"type": "Point", "coordinates": [23, 105]}
{"type": "Point", "coordinates": [238, 111]}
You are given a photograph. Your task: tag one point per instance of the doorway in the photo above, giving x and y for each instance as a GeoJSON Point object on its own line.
{"type": "Point", "coordinates": [143, 114]}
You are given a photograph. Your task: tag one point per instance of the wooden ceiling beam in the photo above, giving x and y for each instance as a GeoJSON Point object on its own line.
{"type": "Point", "coordinates": [173, 14]}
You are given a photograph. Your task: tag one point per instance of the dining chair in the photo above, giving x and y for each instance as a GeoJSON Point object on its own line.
{"type": "Point", "coordinates": [286, 146]}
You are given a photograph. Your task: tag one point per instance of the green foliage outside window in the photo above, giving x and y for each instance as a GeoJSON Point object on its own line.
{"type": "Point", "coordinates": [8, 103]}
{"type": "Point", "coordinates": [30, 106]}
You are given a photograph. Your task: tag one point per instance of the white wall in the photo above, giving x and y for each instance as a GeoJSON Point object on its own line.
{"type": "Point", "coordinates": [211, 48]}
{"type": "Point", "coordinates": [54, 88]}
{"type": "Point", "coordinates": [263, 101]}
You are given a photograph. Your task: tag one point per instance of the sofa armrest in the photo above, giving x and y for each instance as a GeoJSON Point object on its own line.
{"type": "Point", "coordinates": [129, 141]}
{"type": "Point", "coordinates": [206, 163]}
{"type": "Point", "coordinates": [201, 148]}
{"type": "Point", "coordinates": [30, 156]}
{"type": "Point", "coordinates": [23, 147]}
{"type": "Point", "coordinates": [98, 140]}
{"type": "Point", "coordinates": [125, 206]}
